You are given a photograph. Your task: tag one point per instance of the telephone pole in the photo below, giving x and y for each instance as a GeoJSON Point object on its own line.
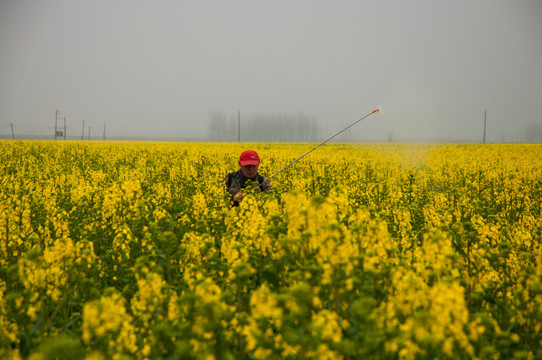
{"type": "Point", "coordinates": [12, 133]}
{"type": "Point", "coordinates": [83, 131]}
{"type": "Point", "coordinates": [485, 123]}
{"type": "Point", "coordinates": [56, 123]}
{"type": "Point", "coordinates": [239, 126]}
{"type": "Point", "coordinates": [64, 128]}
{"type": "Point", "coordinates": [89, 132]}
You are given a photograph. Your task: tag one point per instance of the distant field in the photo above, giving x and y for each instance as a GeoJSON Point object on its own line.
{"type": "Point", "coordinates": [132, 250]}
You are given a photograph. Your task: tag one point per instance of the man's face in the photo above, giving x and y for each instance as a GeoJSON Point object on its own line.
{"type": "Point", "coordinates": [249, 171]}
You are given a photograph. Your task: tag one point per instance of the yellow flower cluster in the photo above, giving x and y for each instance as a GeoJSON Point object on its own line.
{"type": "Point", "coordinates": [107, 320]}
{"type": "Point", "coordinates": [8, 328]}
{"type": "Point", "coordinates": [133, 250]}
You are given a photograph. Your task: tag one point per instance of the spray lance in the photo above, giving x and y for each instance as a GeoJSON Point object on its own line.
{"type": "Point", "coordinates": [377, 110]}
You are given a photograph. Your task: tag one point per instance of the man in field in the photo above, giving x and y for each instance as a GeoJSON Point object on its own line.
{"type": "Point", "coordinates": [235, 181]}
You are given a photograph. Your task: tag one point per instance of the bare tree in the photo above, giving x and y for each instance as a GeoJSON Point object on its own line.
{"type": "Point", "coordinates": [264, 127]}
{"type": "Point", "coordinates": [217, 124]}
{"type": "Point", "coordinates": [533, 134]}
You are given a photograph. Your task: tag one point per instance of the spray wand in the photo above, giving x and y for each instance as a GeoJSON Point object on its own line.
{"type": "Point", "coordinates": [377, 110]}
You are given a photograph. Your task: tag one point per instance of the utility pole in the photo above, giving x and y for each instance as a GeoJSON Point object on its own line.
{"type": "Point", "coordinates": [12, 133]}
{"type": "Point", "coordinates": [56, 122]}
{"type": "Point", "coordinates": [485, 123]}
{"type": "Point", "coordinates": [89, 132]}
{"type": "Point", "coordinates": [104, 131]}
{"type": "Point", "coordinates": [83, 131]}
{"type": "Point", "coordinates": [64, 128]}
{"type": "Point", "coordinates": [239, 126]}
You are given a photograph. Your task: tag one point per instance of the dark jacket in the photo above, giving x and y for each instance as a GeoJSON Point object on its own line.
{"type": "Point", "coordinates": [235, 181]}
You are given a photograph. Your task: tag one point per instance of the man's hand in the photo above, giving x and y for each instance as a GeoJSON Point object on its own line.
{"type": "Point", "coordinates": [238, 197]}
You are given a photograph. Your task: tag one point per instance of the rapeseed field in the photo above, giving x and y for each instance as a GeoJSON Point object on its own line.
{"type": "Point", "coordinates": [125, 250]}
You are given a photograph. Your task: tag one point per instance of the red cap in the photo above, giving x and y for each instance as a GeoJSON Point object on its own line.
{"type": "Point", "coordinates": [249, 157]}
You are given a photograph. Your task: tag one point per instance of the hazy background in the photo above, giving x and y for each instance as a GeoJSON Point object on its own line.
{"type": "Point", "coordinates": [162, 68]}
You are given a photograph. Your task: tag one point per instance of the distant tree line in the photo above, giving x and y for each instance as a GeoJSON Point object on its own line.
{"type": "Point", "coordinates": [533, 134]}
{"type": "Point", "coordinates": [279, 127]}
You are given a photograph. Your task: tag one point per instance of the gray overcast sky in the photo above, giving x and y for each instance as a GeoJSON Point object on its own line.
{"type": "Point", "coordinates": [160, 68]}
